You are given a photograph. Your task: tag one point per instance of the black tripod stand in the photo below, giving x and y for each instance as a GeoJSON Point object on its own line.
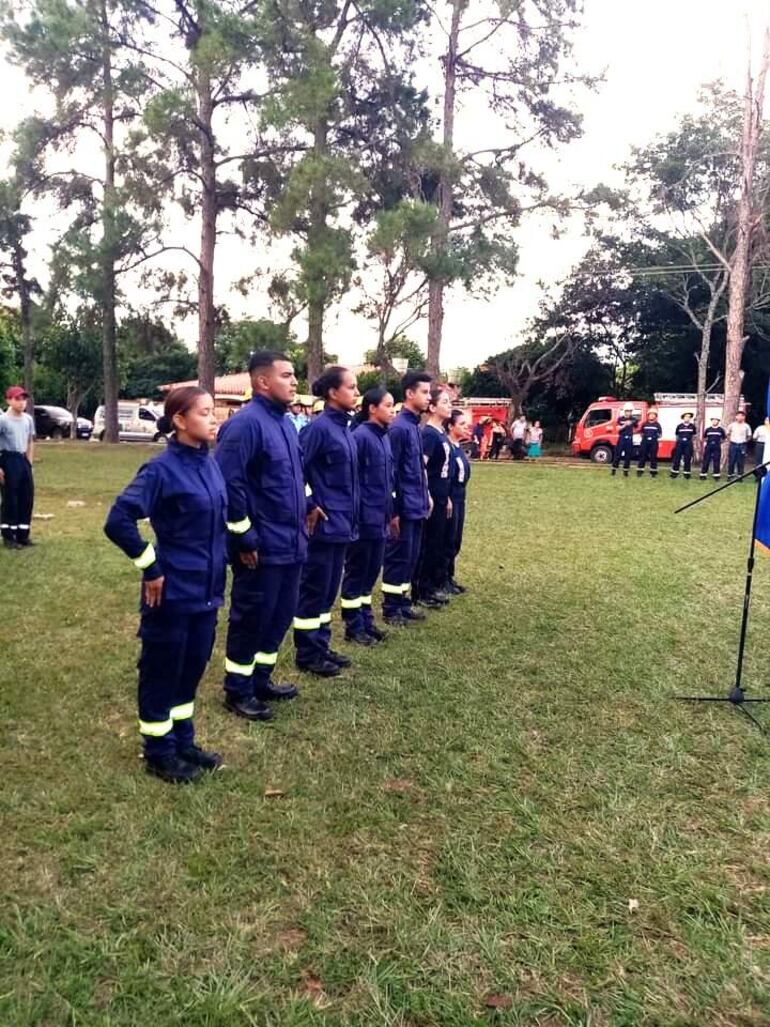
{"type": "Point", "coordinates": [737, 695]}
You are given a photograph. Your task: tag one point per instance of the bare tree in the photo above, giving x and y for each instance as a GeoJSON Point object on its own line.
{"type": "Point", "coordinates": [520, 369]}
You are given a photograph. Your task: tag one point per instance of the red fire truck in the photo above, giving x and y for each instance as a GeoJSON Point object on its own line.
{"type": "Point", "coordinates": [596, 433]}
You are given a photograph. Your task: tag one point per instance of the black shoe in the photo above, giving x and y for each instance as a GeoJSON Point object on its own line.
{"type": "Point", "coordinates": [395, 620]}
{"type": "Point", "coordinates": [275, 693]}
{"type": "Point", "coordinates": [411, 614]}
{"type": "Point", "coordinates": [653, 474]}
{"type": "Point", "coordinates": [25, 544]}
{"type": "Point", "coordinates": [625, 474]}
{"type": "Point", "coordinates": [639, 474]}
{"type": "Point", "coordinates": [441, 594]}
{"type": "Point", "coordinates": [614, 471]}
{"type": "Point", "coordinates": [201, 758]}
{"type": "Point", "coordinates": [459, 589]}
{"type": "Point", "coordinates": [172, 769]}
{"type": "Point", "coordinates": [11, 543]}
{"type": "Point", "coordinates": [375, 634]}
{"type": "Point", "coordinates": [686, 475]}
{"type": "Point", "coordinates": [702, 477]}
{"type": "Point", "coordinates": [360, 638]}
{"type": "Point", "coordinates": [430, 604]}
{"type": "Point", "coordinates": [338, 658]}
{"type": "Point", "coordinates": [249, 709]}
{"type": "Point", "coordinates": [674, 474]}
{"type": "Point", "coordinates": [321, 667]}
{"type": "Point", "coordinates": [452, 590]}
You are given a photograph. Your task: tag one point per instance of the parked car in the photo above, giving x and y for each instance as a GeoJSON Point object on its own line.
{"type": "Point", "coordinates": [52, 422]}
{"type": "Point", "coordinates": [137, 422]}
{"type": "Point", "coordinates": [85, 428]}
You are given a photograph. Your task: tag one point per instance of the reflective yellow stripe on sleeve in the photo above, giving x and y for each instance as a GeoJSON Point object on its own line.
{"type": "Point", "coordinates": [307, 623]}
{"type": "Point", "coordinates": [351, 604]}
{"type": "Point", "coordinates": [182, 712]}
{"type": "Point", "coordinates": [157, 729]}
{"type": "Point", "coordinates": [239, 527]}
{"type": "Point", "coordinates": [266, 659]}
{"type": "Point", "coordinates": [147, 558]}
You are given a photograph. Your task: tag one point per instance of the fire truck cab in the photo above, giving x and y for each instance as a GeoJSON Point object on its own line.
{"type": "Point", "coordinates": [596, 433]}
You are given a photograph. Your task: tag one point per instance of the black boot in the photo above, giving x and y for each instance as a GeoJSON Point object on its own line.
{"type": "Point", "coordinates": [395, 620]}
{"type": "Point", "coordinates": [409, 613]}
{"type": "Point", "coordinates": [334, 657]}
{"type": "Point", "coordinates": [625, 473]}
{"type": "Point", "coordinates": [321, 667]}
{"type": "Point", "coordinates": [653, 474]}
{"type": "Point", "coordinates": [459, 589]}
{"type": "Point", "coordinates": [639, 473]}
{"type": "Point", "coordinates": [614, 471]}
{"type": "Point", "coordinates": [172, 769]}
{"type": "Point", "coordinates": [201, 758]}
{"type": "Point", "coordinates": [360, 638]}
{"type": "Point", "coordinates": [275, 693]}
{"type": "Point", "coordinates": [375, 634]}
{"type": "Point", "coordinates": [249, 709]}
{"type": "Point", "coordinates": [430, 603]}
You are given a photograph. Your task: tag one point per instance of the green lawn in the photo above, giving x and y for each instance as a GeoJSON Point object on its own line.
{"type": "Point", "coordinates": [498, 817]}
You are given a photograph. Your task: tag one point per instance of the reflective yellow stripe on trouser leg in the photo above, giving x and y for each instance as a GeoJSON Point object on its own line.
{"type": "Point", "coordinates": [246, 669]}
{"type": "Point", "coordinates": [392, 590]}
{"type": "Point", "coordinates": [182, 712]}
{"type": "Point", "coordinates": [156, 728]}
{"type": "Point", "coordinates": [325, 618]}
{"type": "Point", "coordinates": [366, 600]}
{"type": "Point", "coordinates": [266, 659]}
{"type": "Point", "coordinates": [307, 623]}
{"type": "Point", "coordinates": [351, 604]}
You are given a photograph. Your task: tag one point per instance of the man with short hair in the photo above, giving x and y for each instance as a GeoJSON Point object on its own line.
{"type": "Point", "coordinates": [739, 434]}
{"type": "Point", "coordinates": [17, 450]}
{"type": "Point", "coordinates": [259, 455]}
{"type": "Point", "coordinates": [519, 437]}
{"type": "Point", "coordinates": [684, 446]}
{"type": "Point", "coordinates": [625, 448]}
{"type": "Point", "coordinates": [411, 502]}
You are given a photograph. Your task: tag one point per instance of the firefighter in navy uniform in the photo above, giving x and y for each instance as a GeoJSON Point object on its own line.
{"type": "Point", "coordinates": [625, 447]}
{"type": "Point", "coordinates": [184, 496]}
{"type": "Point", "coordinates": [457, 427]}
{"type": "Point", "coordinates": [331, 471]}
{"type": "Point", "coordinates": [683, 449]}
{"type": "Point", "coordinates": [363, 561]}
{"type": "Point", "coordinates": [648, 449]}
{"type": "Point", "coordinates": [258, 452]}
{"type": "Point", "coordinates": [432, 567]}
{"type": "Point", "coordinates": [412, 502]}
{"type": "Point", "coordinates": [713, 437]}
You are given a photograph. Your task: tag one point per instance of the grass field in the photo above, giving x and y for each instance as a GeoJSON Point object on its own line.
{"type": "Point", "coordinates": [498, 817]}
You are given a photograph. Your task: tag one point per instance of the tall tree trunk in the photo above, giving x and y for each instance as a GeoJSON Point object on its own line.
{"type": "Point", "coordinates": [206, 318]}
{"type": "Point", "coordinates": [440, 242]}
{"type": "Point", "coordinates": [740, 269]}
{"type": "Point", "coordinates": [316, 307]}
{"type": "Point", "coordinates": [707, 327]}
{"type": "Point", "coordinates": [109, 344]}
{"type": "Point", "coordinates": [25, 309]}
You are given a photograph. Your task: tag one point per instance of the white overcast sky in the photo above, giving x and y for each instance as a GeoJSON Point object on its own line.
{"type": "Point", "coordinates": [655, 55]}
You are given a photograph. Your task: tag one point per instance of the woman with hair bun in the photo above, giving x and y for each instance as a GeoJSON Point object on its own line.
{"type": "Point", "coordinates": [183, 494]}
{"type": "Point", "coordinates": [432, 568]}
{"type": "Point", "coordinates": [458, 429]}
{"type": "Point", "coordinates": [331, 471]}
{"type": "Point", "coordinates": [363, 562]}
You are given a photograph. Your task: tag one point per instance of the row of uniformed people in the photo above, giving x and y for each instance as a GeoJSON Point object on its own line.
{"type": "Point", "coordinates": [294, 516]}
{"type": "Point", "coordinates": [651, 432]}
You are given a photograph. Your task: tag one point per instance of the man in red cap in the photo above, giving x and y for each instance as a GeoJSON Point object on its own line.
{"type": "Point", "coordinates": [17, 435]}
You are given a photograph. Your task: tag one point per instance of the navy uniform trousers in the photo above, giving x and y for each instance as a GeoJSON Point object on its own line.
{"type": "Point", "coordinates": [175, 650]}
{"type": "Point", "coordinates": [712, 456]}
{"type": "Point", "coordinates": [18, 497]}
{"type": "Point", "coordinates": [456, 535]}
{"type": "Point", "coordinates": [624, 451]}
{"type": "Point", "coordinates": [682, 452]}
{"type": "Point", "coordinates": [401, 557]}
{"type": "Point", "coordinates": [432, 568]}
{"type": "Point", "coordinates": [320, 586]}
{"type": "Point", "coordinates": [262, 606]}
{"type": "Point", "coordinates": [363, 564]}
{"type": "Point", "coordinates": [648, 450]}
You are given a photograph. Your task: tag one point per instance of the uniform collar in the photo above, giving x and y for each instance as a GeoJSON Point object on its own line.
{"type": "Point", "coordinates": [188, 452]}
{"type": "Point", "coordinates": [276, 409]}
{"type": "Point", "coordinates": [376, 428]}
{"type": "Point", "coordinates": [338, 416]}
{"type": "Point", "coordinates": [414, 418]}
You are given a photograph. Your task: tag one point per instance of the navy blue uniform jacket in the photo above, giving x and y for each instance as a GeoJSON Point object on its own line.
{"type": "Point", "coordinates": [184, 496]}
{"type": "Point", "coordinates": [331, 470]}
{"type": "Point", "coordinates": [714, 437]}
{"type": "Point", "coordinates": [685, 432]}
{"type": "Point", "coordinates": [259, 455]}
{"type": "Point", "coordinates": [438, 453]}
{"type": "Point", "coordinates": [460, 474]}
{"type": "Point", "coordinates": [375, 473]}
{"type": "Point", "coordinates": [651, 431]}
{"type": "Point", "coordinates": [411, 482]}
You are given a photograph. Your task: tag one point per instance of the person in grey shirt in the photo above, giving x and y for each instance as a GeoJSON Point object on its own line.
{"type": "Point", "coordinates": [17, 446]}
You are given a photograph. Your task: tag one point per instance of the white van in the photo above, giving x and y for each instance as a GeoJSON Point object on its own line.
{"type": "Point", "coordinates": [137, 422]}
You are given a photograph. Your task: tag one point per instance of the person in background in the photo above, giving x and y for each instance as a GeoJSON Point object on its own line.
{"type": "Point", "coordinates": [739, 434]}
{"type": "Point", "coordinates": [412, 502]}
{"type": "Point", "coordinates": [431, 571]}
{"type": "Point", "coordinates": [183, 494]}
{"type": "Point", "coordinates": [363, 561]}
{"type": "Point", "coordinates": [713, 437]}
{"type": "Point", "coordinates": [331, 471]}
{"type": "Point", "coordinates": [761, 439]}
{"type": "Point", "coordinates": [259, 455]}
{"type": "Point", "coordinates": [477, 435]}
{"type": "Point", "coordinates": [17, 454]}
{"type": "Point", "coordinates": [625, 448]}
{"type": "Point", "coordinates": [519, 437]}
{"type": "Point", "coordinates": [498, 438]}
{"type": "Point", "coordinates": [535, 441]}
{"type": "Point", "coordinates": [297, 416]}
{"type": "Point", "coordinates": [683, 448]}
{"type": "Point", "coordinates": [648, 449]}
{"type": "Point", "coordinates": [457, 430]}
{"type": "Point", "coordinates": [486, 437]}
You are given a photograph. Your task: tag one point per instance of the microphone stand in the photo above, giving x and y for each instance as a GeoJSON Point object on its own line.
{"type": "Point", "coordinates": [737, 695]}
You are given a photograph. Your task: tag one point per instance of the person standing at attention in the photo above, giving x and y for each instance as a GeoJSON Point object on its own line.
{"type": "Point", "coordinates": [363, 561]}
{"type": "Point", "coordinates": [683, 449]}
{"type": "Point", "coordinates": [761, 440]}
{"type": "Point", "coordinates": [519, 437]}
{"type": "Point", "coordinates": [624, 450]}
{"type": "Point", "coordinates": [713, 437]}
{"type": "Point", "coordinates": [535, 442]}
{"type": "Point", "coordinates": [432, 565]}
{"type": "Point", "coordinates": [331, 471]}
{"type": "Point", "coordinates": [17, 453]}
{"type": "Point", "coordinates": [457, 429]}
{"type": "Point", "coordinates": [412, 502]}
{"type": "Point", "coordinates": [259, 455]}
{"type": "Point", "coordinates": [739, 434]}
{"type": "Point", "coordinates": [183, 494]}
{"type": "Point", "coordinates": [648, 449]}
